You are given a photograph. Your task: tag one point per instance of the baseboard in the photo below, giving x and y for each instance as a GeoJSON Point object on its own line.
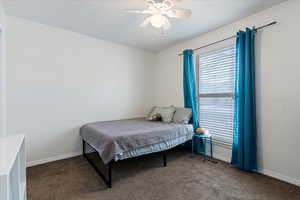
{"type": "Point", "coordinates": [279, 176]}
{"type": "Point", "coordinates": [53, 158]}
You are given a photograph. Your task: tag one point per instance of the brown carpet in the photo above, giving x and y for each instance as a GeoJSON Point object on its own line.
{"type": "Point", "coordinates": [186, 177]}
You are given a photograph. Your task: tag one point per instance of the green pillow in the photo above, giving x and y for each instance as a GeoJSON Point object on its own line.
{"type": "Point", "coordinates": [166, 113]}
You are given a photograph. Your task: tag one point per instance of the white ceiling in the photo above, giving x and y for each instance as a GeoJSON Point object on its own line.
{"type": "Point", "coordinates": [106, 19]}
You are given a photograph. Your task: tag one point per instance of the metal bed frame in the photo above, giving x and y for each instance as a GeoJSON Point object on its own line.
{"type": "Point", "coordinates": [108, 179]}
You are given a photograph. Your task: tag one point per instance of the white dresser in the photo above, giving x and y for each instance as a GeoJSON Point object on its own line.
{"type": "Point", "coordinates": [12, 168]}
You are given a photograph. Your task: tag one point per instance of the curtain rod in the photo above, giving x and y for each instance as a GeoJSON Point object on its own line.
{"type": "Point", "coordinates": [231, 37]}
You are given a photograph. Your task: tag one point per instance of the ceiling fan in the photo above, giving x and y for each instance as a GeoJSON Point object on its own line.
{"type": "Point", "coordinates": [159, 11]}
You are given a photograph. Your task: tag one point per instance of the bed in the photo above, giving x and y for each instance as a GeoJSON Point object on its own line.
{"type": "Point", "coordinates": [123, 139]}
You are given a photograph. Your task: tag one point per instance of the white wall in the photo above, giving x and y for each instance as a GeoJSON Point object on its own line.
{"type": "Point", "coordinates": [2, 73]}
{"type": "Point", "coordinates": [277, 79]}
{"type": "Point", "coordinates": [59, 80]}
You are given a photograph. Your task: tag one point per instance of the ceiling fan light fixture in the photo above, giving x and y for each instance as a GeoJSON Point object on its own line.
{"type": "Point", "coordinates": [157, 21]}
{"type": "Point", "coordinates": [160, 11]}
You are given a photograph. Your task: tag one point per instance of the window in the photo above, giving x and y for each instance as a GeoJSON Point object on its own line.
{"type": "Point", "coordinates": [216, 93]}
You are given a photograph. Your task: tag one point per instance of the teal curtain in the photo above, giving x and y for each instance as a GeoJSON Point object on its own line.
{"type": "Point", "coordinates": [244, 138]}
{"type": "Point", "coordinates": [189, 86]}
{"type": "Point", "coordinates": [190, 94]}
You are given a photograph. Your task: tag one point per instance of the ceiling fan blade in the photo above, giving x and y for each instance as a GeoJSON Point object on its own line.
{"type": "Point", "coordinates": [146, 22]}
{"type": "Point", "coordinates": [180, 13]}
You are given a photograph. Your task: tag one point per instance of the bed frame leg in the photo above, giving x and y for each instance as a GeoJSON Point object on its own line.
{"type": "Point", "coordinates": [108, 180]}
{"type": "Point", "coordinates": [83, 148]}
{"type": "Point", "coordinates": [109, 174]}
{"type": "Point", "coordinates": [165, 158]}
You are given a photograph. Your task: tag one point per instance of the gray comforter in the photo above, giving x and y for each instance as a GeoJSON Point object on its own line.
{"type": "Point", "coordinates": [113, 137]}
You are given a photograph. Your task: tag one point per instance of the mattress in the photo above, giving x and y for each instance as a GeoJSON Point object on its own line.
{"type": "Point", "coordinates": [123, 139]}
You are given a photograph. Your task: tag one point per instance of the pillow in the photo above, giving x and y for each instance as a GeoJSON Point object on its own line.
{"type": "Point", "coordinates": [182, 115]}
{"type": "Point", "coordinates": [166, 113]}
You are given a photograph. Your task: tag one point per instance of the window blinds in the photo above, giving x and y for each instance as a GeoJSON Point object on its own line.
{"type": "Point", "coordinates": [216, 93]}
